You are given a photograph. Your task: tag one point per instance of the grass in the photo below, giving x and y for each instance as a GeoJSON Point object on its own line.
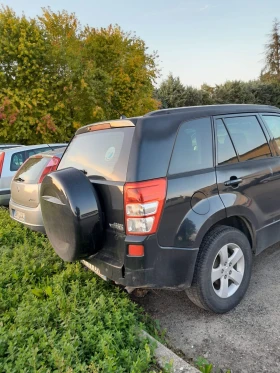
{"type": "Point", "coordinates": [58, 317]}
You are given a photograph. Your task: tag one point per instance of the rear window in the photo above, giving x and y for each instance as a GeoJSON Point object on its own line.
{"type": "Point", "coordinates": [31, 171]}
{"type": "Point", "coordinates": [103, 153]}
{"type": "Point", "coordinates": [19, 158]}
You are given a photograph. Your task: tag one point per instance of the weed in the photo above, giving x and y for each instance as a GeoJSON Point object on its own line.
{"type": "Point", "coordinates": [57, 317]}
{"type": "Point", "coordinates": [205, 367]}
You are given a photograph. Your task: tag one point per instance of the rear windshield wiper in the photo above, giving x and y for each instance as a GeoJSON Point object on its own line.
{"type": "Point", "coordinates": [19, 179]}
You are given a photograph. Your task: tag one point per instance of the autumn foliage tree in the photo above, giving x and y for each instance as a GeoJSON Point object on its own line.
{"type": "Point", "coordinates": [56, 76]}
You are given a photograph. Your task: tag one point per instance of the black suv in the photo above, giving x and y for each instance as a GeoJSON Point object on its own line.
{"type": "Point", "coordinates": [178, 199]}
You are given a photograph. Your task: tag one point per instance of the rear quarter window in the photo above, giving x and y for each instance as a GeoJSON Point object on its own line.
{"type": "Point", "coordinates": [193, 148]}
{"type": "Point", "coordinates": [102, 154]}
{"type": "Point", "coordinates": [17, 160]}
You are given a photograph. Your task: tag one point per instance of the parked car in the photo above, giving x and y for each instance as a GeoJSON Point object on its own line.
{"type": "Point", "coordinates": [25, 188]}
{"type": "Point", "coordinates": [179, 199]}
{"type": "Point", "coordinates": [9, 146]}
{"type": "Point", "coordinates": [10, 162]}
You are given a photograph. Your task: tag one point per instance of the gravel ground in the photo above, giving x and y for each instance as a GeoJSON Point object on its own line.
{"type": "Point", "coordinates": [246, 339]}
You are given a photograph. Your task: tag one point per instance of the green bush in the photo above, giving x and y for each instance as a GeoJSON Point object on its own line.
{"type": "Point", "coordinates": [172, 93]}
{"type": "Point", "coordinates": [58, 317]}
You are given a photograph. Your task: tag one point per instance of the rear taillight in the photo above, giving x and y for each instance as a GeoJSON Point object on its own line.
{"type": "Point", "coordinates": [2, 157]}
{"type": "Point", "coordinates": [143, 203]}
{"type": "Point", "coordinates": [50, 167]}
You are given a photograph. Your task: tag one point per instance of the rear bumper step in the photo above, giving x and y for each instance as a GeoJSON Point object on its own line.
{"type": "Point", "coordinates": [160, 267]}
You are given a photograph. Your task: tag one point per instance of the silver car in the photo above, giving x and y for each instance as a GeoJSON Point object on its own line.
{"type": "Point", "coordinates": [25, 188]}
{"type": "Point", "coordinates": [11, 160]}
{"type": "Point", "coordinates": [9, 146]}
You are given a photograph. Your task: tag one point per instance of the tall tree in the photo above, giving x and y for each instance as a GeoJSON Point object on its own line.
{"type": "Point", "coordinates": [271, 70]}
{"type": "Point", "coordinates": [233, 92]}
{"type": "Point", "coordinates": [171, 92]}
{"type": "Point", "coordinates": [24, 80]}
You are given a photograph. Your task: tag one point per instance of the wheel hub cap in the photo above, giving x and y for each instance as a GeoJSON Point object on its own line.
{"type": "Point", "coordinates": [228, 270]}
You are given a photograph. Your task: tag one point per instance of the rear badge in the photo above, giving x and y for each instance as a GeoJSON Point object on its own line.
{"type": "Point", "coordinates": [110, 153]}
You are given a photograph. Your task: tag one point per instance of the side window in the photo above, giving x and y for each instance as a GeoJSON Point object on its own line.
{"type": "Point", "coordinates": [193, 147]}
{"type": "Point", "coordinates": [17, 160]}
{"type": "Point", "coordinates": [248, 137]}
{"type": "Point", "coordinates": [225, 149]}
{"type": "Point", "coordinates": [36, 151]}
{"type": "Point", "coordinates": [273, 124]}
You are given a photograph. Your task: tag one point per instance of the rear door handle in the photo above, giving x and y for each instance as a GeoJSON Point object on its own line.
{"type": "Point", "coordinates": [234, 181]}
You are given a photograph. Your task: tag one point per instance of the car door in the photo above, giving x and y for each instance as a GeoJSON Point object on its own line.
{"type": "Point", "coordinates": [192, 199]}
{"type": "Point", "coordinates": [272, 125]}
{"type": "Point", "coordinates": [244, 169]}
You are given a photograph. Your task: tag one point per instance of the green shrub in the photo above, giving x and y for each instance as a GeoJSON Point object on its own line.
{"type": "Point", "coordinates": [205, 367]}
{"type": "Point", "coordinates": [58, 317]}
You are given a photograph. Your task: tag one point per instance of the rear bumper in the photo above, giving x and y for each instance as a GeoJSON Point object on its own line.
{"type": "Point", "coordinates": [5, 196]}
{"type": "Point", "coordinates": [33, 216]}
{"type": "Point", "coordinates": [160, 267]}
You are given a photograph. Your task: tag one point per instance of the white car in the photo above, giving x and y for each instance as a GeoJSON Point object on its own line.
{"type": "Point", "coordinates": [11, 160]}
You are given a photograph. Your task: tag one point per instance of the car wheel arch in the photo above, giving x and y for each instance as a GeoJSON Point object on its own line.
{"type": "Point", "coordinates": [236, 221]}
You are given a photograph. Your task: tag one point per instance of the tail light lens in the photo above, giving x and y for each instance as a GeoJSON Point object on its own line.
{"type": "Point", "coordinates": [2, 157]}
{"type": "Point", "coordinates": [143, 202]}
{"type": "Point", "coordinates": [50, 167]}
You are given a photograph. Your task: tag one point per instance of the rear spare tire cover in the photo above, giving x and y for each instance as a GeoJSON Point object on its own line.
{"type": "Point", "coordinates": [71, 214]}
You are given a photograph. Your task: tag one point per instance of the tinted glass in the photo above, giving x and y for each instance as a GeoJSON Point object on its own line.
{"type": "Point", "coordinates": [248, 137]}
{"type": "Point", "coordinates": [225, 149]}
{"type": "Point", "coordinates": [20, 157]}
{"type": "Point", "coordinates": [102, 153]}
{"type": "Point", "coordinates": [31, 152]}
{"type": "Point", "coordinates": [273, 123]}
{"type": "Point", "coordinates": [31, 171]}
{"type": "Point", "coordinates": [193, 147]}
{"type": "Point", "coordinates": [17, 160]}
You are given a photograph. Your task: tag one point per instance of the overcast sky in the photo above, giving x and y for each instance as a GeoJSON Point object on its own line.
{"type": "Point", "coordinates": [201, 41]}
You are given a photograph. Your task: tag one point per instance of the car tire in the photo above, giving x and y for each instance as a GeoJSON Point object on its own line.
{"type": "Point", "coordinates": [219, 284]}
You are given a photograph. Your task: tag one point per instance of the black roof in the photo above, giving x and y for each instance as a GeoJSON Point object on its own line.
{"type": "Point", "coordinates": [215, 110]}
{"type": "Point", "coordinates": [188, 113]}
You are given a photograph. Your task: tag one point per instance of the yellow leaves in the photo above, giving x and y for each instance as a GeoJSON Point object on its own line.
{"type": "Point", "coordinates": [58, 106]}
{"type": "Point", "coordinates": [26, 104]}
{"type": "Point", "coordinates": [77, 125]}
{"type": "Point", "coordinates": [83, 83]}
{"type": "Point", "coordinates": [98, 113]}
